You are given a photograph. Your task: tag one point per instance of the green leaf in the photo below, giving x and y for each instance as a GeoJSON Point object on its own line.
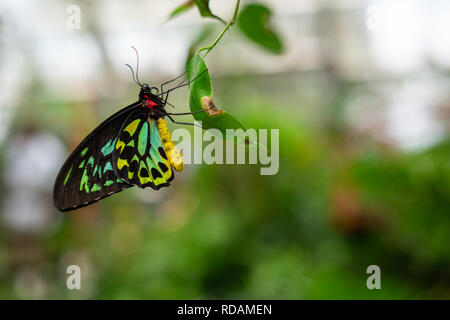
{"type": "Point", "coordinates": [201, 88]}
{"type": "Point", "coordinates": [254, 22]}
{"type": "Point", "coordinates": [205, 11]}
{"type": "Point", "coordinates": [182, 8]}
{"type": "Point", "coordinates": [204, 34]}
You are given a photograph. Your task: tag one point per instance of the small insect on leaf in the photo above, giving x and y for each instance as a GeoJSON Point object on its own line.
{"type": "Point", "coordinates": [210, 108]}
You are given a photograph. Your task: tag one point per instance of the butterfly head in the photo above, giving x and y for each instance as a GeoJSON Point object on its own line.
{"type": "Point", "coordinates": [150, 97]}
{"type": "Point", "coordinates": [145, 88]}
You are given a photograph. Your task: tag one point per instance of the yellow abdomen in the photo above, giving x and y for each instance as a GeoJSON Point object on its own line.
{"type": "Point", "coordinates": [173, 154]}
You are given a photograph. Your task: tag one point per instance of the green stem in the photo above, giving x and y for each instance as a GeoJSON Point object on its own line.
{"type": "Point", "coordinates": [229, 24]}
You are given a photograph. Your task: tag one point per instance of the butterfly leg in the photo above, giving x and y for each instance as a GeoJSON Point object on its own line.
{"type": "Point", "coordinates": [167, 97]}
{"type": "Point", "coordinates": [186, 123]}
{"type": "Point", "coordinates": [184, 84]}
{"type": "Point", "coordinates": [167, 93]}
{"type": "Point", "coordinates": [184, 113]}
{"type": "Point", "coordinates": [167, 82]}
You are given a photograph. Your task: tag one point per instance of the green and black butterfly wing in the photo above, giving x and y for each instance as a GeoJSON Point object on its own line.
{"type": "Point", "coordinates": [88, 175]}
{"type": "Point", "coordinates": [139, 157]}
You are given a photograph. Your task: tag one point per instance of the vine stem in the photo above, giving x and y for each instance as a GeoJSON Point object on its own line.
{"type": "Point", "coordinates": [229, 24]}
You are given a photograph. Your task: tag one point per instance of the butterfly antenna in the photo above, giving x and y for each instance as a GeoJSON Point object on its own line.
{"type": "Point", "coordinates": [132, 73]}
{"type": "Point", "coordinates": [137, 65]}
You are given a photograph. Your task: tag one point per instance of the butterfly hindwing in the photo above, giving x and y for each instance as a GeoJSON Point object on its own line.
{"type": "Point", "coordinates": [88, 174]}
{"type": "Point", "coordinates": [139, 157]}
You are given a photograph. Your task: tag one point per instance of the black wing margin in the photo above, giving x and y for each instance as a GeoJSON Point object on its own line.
{"type": "Point", "coordinates": [88, 174]}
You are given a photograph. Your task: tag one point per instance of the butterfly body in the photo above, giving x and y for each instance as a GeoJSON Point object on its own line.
{"type": "Point", "coordinates": [129, 148]}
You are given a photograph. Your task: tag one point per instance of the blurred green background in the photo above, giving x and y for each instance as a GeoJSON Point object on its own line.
{"type": "Point", "coordinates": [359, 91]}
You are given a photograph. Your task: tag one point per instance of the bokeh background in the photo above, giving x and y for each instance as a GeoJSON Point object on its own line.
{"type": "Point", "coordinates": [360, 93]}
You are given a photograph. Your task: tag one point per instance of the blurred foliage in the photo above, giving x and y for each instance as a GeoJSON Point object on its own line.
{"type": "Point", "coordinates": [254, 21]}
{"type": "Point", "coordinates": [182, 8]}
{"type": "Point", "coordinates": [227, 232]}
{"type": "Point", "coordinates": [205, 11]}
{"type": "Point", "coordinates": [337, 205]}
{"type": "Point", "coordinates": [203, 8]}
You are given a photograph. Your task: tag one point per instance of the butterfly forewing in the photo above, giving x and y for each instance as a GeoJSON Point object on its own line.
{"type": "Point", "coordinates": [88, 175]}
{"type": "Point", "coordinates": [139, 157]}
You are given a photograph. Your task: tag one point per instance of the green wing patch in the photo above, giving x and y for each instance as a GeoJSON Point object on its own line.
{"type": "Point", "coordinates": [139, 157]}
{"type": "Point", "coordinates": [88, 174]}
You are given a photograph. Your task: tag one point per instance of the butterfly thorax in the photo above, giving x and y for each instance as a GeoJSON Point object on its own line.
{"type": "Point", "coordinates": [149, 100]}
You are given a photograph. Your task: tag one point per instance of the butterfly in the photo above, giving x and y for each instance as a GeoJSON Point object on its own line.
{"type": "Point", "coordinates": [133, 147]}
